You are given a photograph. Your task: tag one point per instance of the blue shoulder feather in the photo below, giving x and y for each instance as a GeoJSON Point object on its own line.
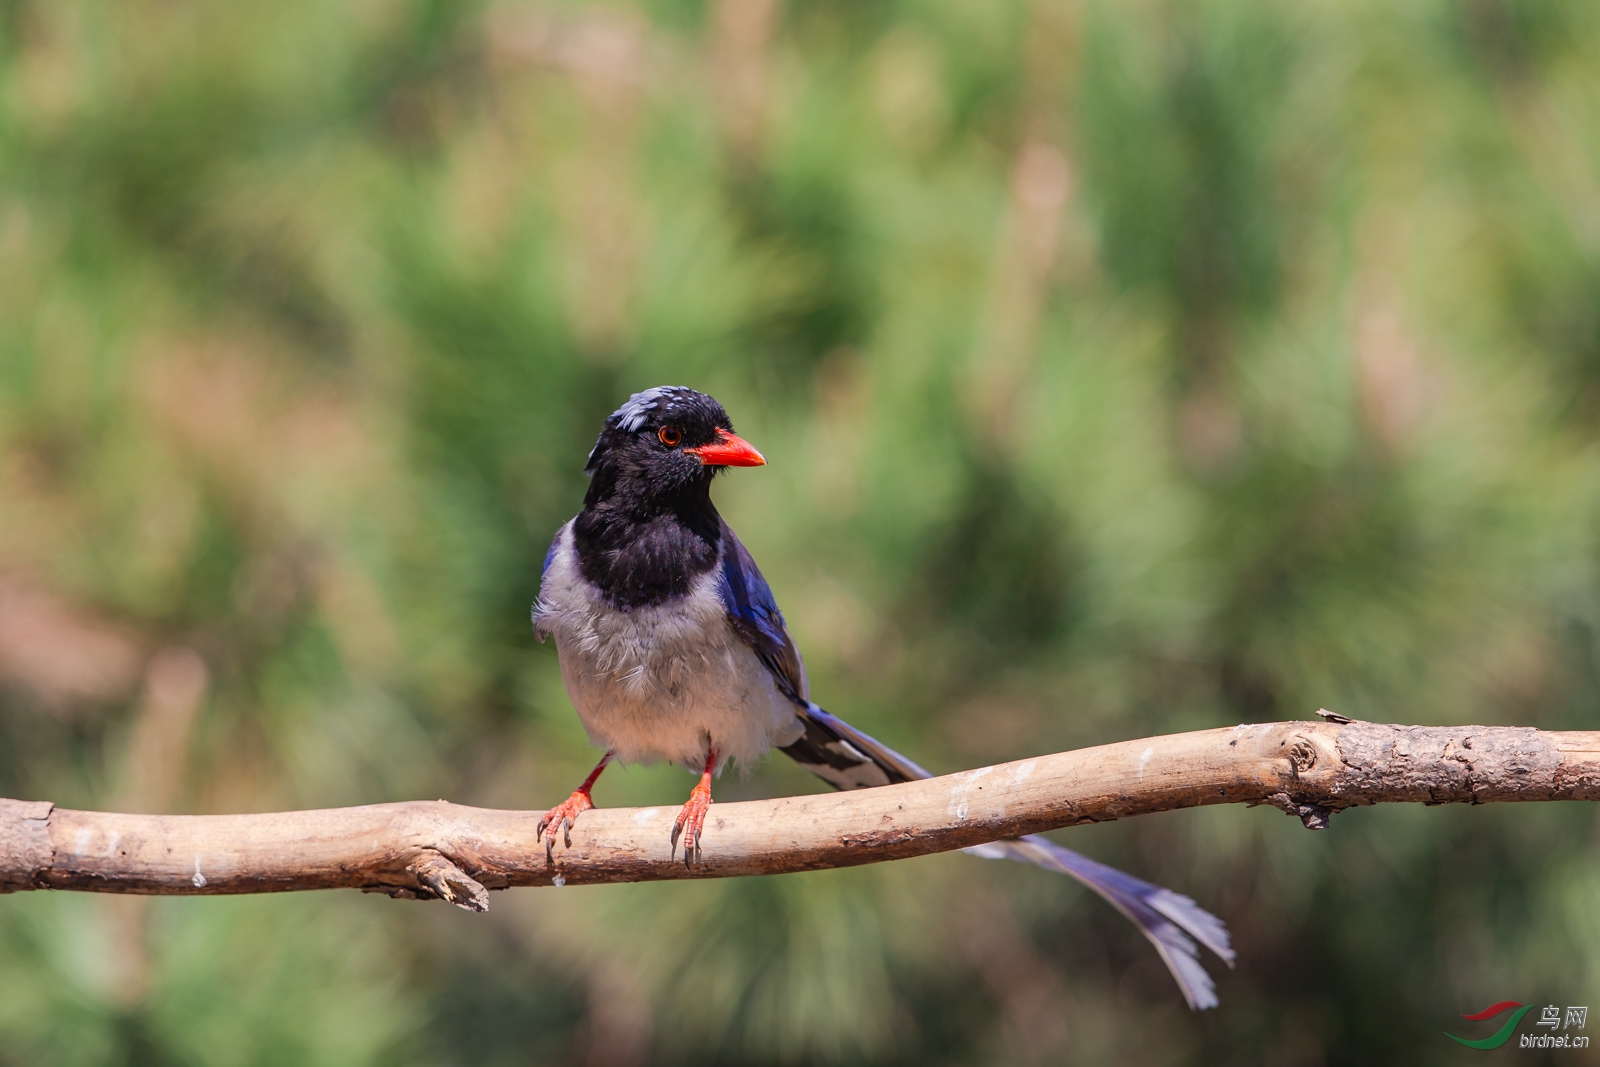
{"type": "Point", "coordinates": [754, 615]}
{"type": "Point", "coordinates": [550, 554]}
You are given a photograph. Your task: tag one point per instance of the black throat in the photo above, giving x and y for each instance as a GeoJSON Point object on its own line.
{"type": "Point", "coordinates": [641, 549]}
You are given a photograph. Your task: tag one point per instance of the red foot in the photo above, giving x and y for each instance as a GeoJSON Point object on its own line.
{"type": "Point", "coordinates": [692, 820]}
{"type": "Point", "coordinates": [563, 814]}
{"type": "Point", "coordinates": [560, 818]}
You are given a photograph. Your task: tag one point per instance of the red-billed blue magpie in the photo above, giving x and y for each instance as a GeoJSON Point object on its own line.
{"type": "Point", "coordinates": [673, 648]}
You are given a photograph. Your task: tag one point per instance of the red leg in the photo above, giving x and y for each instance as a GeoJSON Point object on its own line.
{"type": "Point", "coordinates": [692, 819]}
{"type": "Point", "coordinates": [562, 815]}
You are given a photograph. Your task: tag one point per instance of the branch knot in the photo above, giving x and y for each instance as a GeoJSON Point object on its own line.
{"type": "Point", "coordinates": [437, 877]}
{"type": "Point", "coordinates": [1315, 816]}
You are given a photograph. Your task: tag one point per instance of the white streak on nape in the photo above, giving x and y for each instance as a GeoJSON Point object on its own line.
{"type": "Point", "coordinates": [637, 408]}
{"type": "Point", "coordinates": [199, 879]}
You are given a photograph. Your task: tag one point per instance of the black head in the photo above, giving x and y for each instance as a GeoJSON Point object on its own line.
{"type": "Point", "coordinates": [664, 443]}
{"type": "Point", "coordinates": [648, 528]}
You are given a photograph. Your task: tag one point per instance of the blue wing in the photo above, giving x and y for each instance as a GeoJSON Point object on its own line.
{"type": "Point", "coordinates": [754, 615]}
{"type": "Point", "coordinates": [549, 556]}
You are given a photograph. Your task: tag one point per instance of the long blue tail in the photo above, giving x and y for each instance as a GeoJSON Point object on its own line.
{"type": "Point", "coordinates": [846, 758]}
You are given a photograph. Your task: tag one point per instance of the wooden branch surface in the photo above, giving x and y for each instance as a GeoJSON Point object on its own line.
{"type": "Point", "coordinates": [440, 850]}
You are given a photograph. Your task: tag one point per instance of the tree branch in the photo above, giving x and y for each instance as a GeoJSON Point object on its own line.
{"type": "Point", "coordinates": [446, 851]}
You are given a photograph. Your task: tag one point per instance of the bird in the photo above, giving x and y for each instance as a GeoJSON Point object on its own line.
{"type": "Point", "coordinates": [672, 648]}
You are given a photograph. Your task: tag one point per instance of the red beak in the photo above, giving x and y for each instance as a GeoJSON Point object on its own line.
{"type": "Point", "coordinates": [728, 450]}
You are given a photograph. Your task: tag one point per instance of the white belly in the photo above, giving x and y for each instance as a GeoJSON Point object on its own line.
{"type": "Point", "coordinates": [664, 683]}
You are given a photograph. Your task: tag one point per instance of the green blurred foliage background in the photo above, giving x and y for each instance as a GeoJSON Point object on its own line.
{"type": "Point", "coordinates": [1123, 368]}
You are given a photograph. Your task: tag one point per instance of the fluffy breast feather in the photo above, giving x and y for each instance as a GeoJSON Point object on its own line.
{"type": "Point", "coordinates": [666, 682]}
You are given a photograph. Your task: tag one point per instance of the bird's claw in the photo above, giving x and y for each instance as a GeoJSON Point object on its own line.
{"type": "Point", "coordinates": [560, 819]}
{"type": "Point", "coordinates": [691, 821]}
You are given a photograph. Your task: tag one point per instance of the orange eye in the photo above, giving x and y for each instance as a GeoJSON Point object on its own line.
{"type": "Point", "coordinates": [669, 436]}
